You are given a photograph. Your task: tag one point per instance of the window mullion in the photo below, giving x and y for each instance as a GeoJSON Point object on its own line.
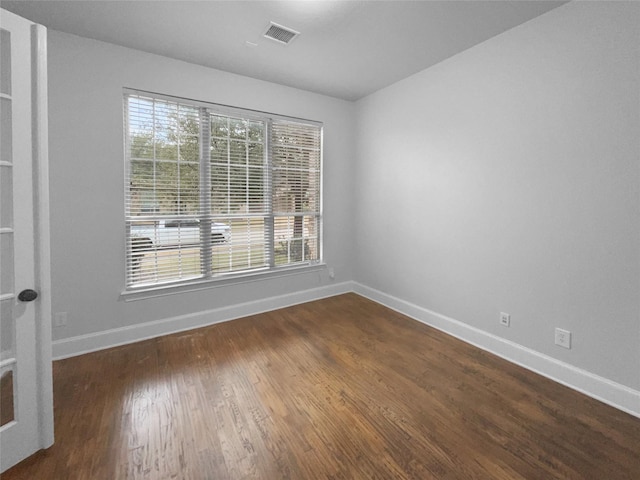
{"type": "Point", "coordinates": [269, 229]}
{"type": "Point", "coordinates": [205, 193]}
{"type": "Point", "coordinates": [229, 187]}
{"type": "Point", "coordinates": [127, 195]}
{"type": "Point", "coordinates": [155, 158]}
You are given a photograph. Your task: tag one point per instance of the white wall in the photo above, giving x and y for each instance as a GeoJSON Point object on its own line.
{"type": "Point", "coordinates": [507, 179]}
{"type": "Point", "coordinates": [86, 79]}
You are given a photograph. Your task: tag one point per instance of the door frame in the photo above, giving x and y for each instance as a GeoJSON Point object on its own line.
{"type": "Point", "coordinates": [42, 240]}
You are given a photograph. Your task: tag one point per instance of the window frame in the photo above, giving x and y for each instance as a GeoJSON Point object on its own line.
{"type": "Point", "coordinates": [208, 278]}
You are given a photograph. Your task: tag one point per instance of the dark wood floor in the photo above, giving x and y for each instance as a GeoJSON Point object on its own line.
{"type": "Point", "coordinates": [340, 388]}
{"type": "Point", "coordinates": [6, 398]}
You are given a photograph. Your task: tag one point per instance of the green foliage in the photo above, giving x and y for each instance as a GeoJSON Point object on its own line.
{"type": "Point", "coordinates": [165, 171]}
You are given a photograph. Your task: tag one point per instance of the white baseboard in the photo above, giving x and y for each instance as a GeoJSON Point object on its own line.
{"type": "Point", "coordinates": [73, 346]}
{"type": "Point", "coordinates": [600, 388]}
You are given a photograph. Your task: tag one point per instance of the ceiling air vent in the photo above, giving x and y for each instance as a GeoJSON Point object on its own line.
{"type": "Point", "coordinates": [280, 34]}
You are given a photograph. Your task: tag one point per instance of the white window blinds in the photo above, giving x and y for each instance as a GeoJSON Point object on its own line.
{"type": "Point", "coordinates": [211, 193]}
{"type": "Point", "coordinates": [296, 186]}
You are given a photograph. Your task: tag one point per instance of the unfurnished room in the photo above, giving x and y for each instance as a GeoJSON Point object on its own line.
{"type": "Point", "coordinates": [318, 240]}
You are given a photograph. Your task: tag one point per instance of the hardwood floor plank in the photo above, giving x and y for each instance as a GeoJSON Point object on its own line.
{"type": "Point", "coordinates": [341, 388]}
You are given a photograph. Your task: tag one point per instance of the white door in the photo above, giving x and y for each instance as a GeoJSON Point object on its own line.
{"type": "Point", "coordinates": [26, 405]}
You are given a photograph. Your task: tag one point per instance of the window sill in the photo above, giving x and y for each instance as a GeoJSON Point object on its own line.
{"type": "Point", "coordinates": [155, 291]}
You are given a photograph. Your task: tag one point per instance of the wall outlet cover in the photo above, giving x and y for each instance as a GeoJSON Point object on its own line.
{"type": "Point", "coordinates": [60, 319]}
{"type": "Point", "coordinates": [563, 338]}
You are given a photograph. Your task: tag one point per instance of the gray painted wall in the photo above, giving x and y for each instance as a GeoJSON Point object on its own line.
{"type": "Point", "coordinates": [86, 78]}
{"type": "Point", "coordinates": [508, 178]}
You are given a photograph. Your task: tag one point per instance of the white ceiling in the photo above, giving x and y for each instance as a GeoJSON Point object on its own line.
{"type": "Point", "coordinates": [347, 49]}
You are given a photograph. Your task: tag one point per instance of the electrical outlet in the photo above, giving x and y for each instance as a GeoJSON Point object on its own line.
{"type": "Point", "coordinates": [505, 319]}
{"type": "Point", "coordinates": [332, 273]}
{"type": "Point", "coordinates": [563, 338]}
{"type": "Point", "coordinates": [60, 319]}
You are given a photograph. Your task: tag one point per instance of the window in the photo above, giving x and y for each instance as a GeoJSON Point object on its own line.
{"type": "Point", "coordinates": [212, 191]}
